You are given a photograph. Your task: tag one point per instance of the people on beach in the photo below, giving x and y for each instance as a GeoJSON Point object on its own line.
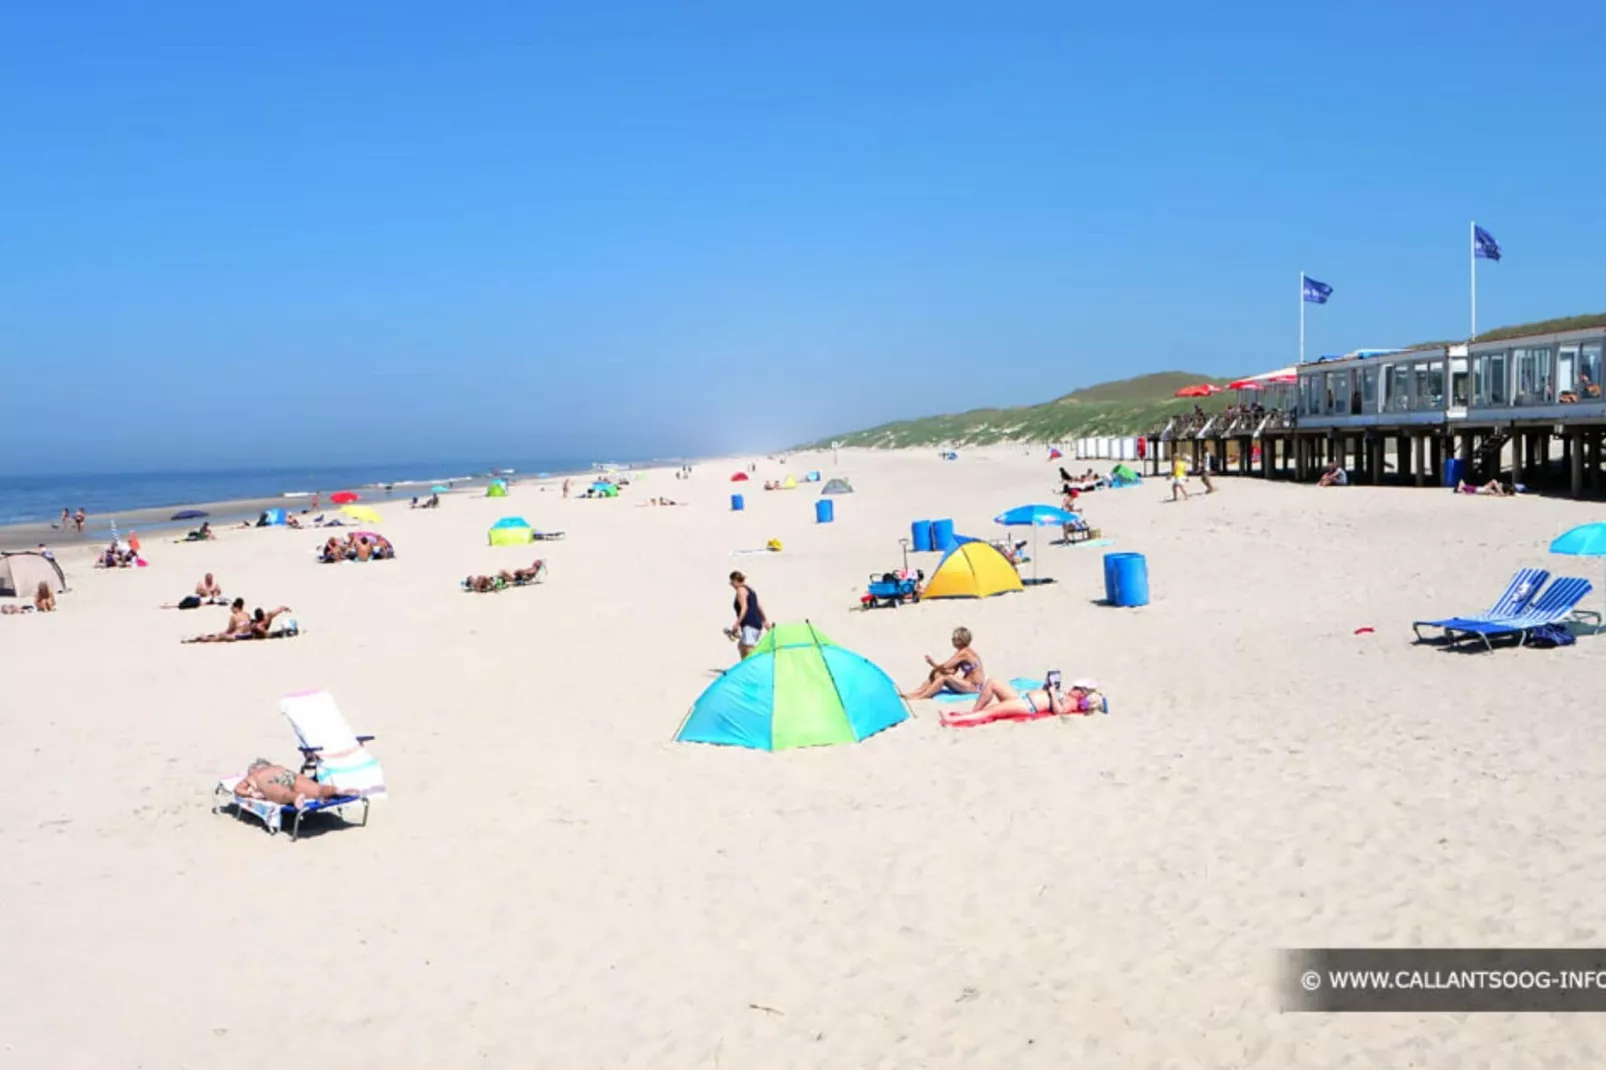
{"type": "Point", "coordinates": [1179, 477]}
{"type": "Point", "coordinates": [362, 549]}
{"type": "Point", "coordinates": [277, 784]}
{"type": "Point", "coordinates": [1333, 476]}
{"type": "Point", "coordinates": [78, 519]}
{"type": "Point", "coordinates": [44, 599]}
{"type": "Point", "coordinates": [750, 618]}
{"type": "Point", "coordinates": [961, 674]}
{"type": "Point", "coordinates": [66, 519]}
{"type": "Point", "coordinates": [998, 699]}
{"type": "Point", "coordinates": [1494, 488]}
{"type": "Point", "coordinates": [240, 627]}
{"type": "Point", "coordinates": [1204, 472]}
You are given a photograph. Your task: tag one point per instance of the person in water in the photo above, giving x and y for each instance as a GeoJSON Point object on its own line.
{"type": "Point", "coordinates": [961, 674]}
{"type": "Point", "coordinates": [750, 618]}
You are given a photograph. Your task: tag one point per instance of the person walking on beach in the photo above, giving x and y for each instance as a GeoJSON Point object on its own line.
{"type": "Point", "coordinates": [78, 519]}
{"type": "Point", "coordinates": [1204, 472]}
{"type": "Point", "coordinates": [1179, 477]}
{"type": "Point", "coordinates": [565, 487]}
{"type": "Point", "coordinates": [66, 518]}
{"type": "Point", "coordinates": [750, 618]}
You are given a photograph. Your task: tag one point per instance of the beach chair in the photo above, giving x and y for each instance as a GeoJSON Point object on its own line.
{"type": "Point", "coordinates": [330, 753]}
{"type": "Point", "coordinates": [1519, 592]}
{"type": "Point", "coordinates": [1557, 605]}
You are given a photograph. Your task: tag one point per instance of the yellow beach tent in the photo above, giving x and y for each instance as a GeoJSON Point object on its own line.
{"type": "Point", "coordinates": [789, 484]}
{"type": "Point", "coordinates": [972, 570]}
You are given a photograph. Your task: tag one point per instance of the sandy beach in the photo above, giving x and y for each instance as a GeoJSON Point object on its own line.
{"type": "Point", "coordinates": [553, 882]}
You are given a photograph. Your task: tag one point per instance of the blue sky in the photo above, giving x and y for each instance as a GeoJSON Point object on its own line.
{"type": "Point", "coordinates": [234, 234]}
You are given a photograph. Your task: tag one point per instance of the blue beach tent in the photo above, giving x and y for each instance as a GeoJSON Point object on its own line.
{"type": "Point", "coordinates": [796, 689]}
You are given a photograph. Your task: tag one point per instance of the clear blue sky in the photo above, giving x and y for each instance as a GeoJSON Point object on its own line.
{"type": "Point", "coordinates": [235, 233]}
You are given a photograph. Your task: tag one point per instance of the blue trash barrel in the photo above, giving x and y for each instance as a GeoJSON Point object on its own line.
{"type": "Point", "coordinates": [920, 537]}
{"type": "Point", "coordinates": [1454, 471]}
{"type": "Point", "coordinates": [737, 505]}
{"type": "Point", "coordinates": [823, 511]}
{"type": "Point", "coordinates": [942, 535]}
{"type": "Point", "coordinates": [1126, 579]}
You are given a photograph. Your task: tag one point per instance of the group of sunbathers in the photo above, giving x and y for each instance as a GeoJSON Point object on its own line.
{"type": "Point", "coordinates": [243, 625]}
{"type": "Point", "coordinates": [356, 548]}
{"type": "Point", "coordinates": [519, 577]}
{"type": "Point", "coordinates": [1494, 488]}
{"type": "Point", "coordinates": [433, 503]}
{"type": "Point", "coordinates": [44, 601]}
{"type": "Point", "coordinates": [116, 555]}
{"type": "Point", "coordinates": [964, 674]}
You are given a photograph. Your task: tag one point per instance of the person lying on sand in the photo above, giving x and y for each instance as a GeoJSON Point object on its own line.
{"type": "Point", "coordinates": [256, 627]}
{"type": "Point", "coordinates": [277, 784]}
{"type": "Point", "coordinates": [334, 550]}
{"type": "Point", "coordinates": [961, 674]}
{"type": "Point", "coordinates": [998, 699]}
{"type": "Point", "coordinates": [1493, 488]}
{"type": "Point", "coordinates": [487, 584]}
{"type": "Point", "coordinates": [10, 609]}
{"type": "Point", "coordinates": [528, 575]}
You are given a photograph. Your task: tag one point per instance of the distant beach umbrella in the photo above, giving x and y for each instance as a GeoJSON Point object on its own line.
{"type": "Point", "coordinates": [440, 488]}
{"type": "Point", "coordinates": [362, 513]}
{"type": "Point", "coordinates": [344, 497]}
{"type": "Point", "coordinates": [189, 514]}
{"type": "Point", "coordinates": [1202, 390]}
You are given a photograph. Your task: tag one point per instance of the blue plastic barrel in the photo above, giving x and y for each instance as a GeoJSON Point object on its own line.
{"type": "Point", "coordinates": [942, 535]}
{"type": "Point", "coordinates": [737, 505]}
{"type": "Point", "coordinates": [1453, 471]}
{"type": "Point", "coordinates": [920, 537]}
{"type": "Point", "coordinates": [1126, 579]}
{"type": "Point", "coordinates": [823, 511]}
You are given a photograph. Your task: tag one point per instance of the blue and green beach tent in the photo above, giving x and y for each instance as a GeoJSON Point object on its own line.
{"type": "Point", "coordinates": [796, 689]}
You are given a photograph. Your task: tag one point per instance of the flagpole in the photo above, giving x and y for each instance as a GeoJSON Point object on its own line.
{"type": "Point", "coordinates": [1472, 256]}
{"type": "Point", "coordinates": [1302, 317]}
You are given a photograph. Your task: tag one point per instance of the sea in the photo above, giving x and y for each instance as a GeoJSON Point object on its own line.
{"type": "Point", "coordinates": [40, 499]}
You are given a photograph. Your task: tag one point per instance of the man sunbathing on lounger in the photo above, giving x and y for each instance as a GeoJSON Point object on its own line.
{"type": "Point", "coordinates": [277, 784]}
{"type": "Point", "coordinates": [998, 701]}
{"type": "Point", "coordinates": [961, 674]}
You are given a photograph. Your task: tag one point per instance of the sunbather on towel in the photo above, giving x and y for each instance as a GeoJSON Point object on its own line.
{"type": "Point", "coordinates": [276, 784]}
{"type": "Point", "coordinates": [961, 674]}
{"type": "Point", "coordinates": [254, 627]}
{"type": "Point", "coordinates": [998, 700]}
{"type": "Point", "coordinates": [1493, 488]}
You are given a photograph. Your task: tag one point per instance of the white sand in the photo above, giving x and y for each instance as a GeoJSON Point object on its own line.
{"type": "Point", "coordinates": [553, 883]}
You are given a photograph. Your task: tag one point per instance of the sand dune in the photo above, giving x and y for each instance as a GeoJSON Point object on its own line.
{"type": "Point", "coordinates": [554, 883]}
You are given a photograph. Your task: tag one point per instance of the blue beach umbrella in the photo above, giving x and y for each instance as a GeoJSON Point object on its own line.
{"type": "Point", "coordinates": [1586, 540]}
{"type": "Point", "coordinates": [1034, 517]}
{"type": "Point", "coordinates": [440, 488]}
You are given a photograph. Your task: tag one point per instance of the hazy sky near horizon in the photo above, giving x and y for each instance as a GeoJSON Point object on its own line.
{"type": "Point", "coordinates": [236, 234]}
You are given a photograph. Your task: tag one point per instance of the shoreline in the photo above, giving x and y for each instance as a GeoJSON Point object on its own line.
{"type": "Point", "coordinates": [230, 512]}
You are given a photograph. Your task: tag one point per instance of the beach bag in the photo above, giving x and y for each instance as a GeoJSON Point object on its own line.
{"type": "Point", "coordinates": [1547, 636]}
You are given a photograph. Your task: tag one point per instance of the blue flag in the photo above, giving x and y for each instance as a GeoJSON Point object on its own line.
{"type": "Point", "coordinates": [1483, 244]}
{"type": "Point", "coordinates": [1316, 293]}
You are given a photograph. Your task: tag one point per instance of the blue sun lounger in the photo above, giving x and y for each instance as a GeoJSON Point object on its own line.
{"type": "Point", "coordinates": [1523, 587]}
{"type": "Point", "coordinates": [1557, 605]}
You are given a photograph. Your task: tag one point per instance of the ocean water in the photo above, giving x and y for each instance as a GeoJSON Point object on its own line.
{"type": "Point", "coordinates": [40, 499]}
